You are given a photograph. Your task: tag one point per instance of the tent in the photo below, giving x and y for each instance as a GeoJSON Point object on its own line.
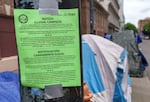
{"type": "Point", "coordinates": [111, 60]}
{"type": "Point", "coordinates": [91, 74]}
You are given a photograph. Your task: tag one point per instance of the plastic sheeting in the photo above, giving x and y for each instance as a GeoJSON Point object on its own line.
{"type": "Point", "coordinates": [127, 40]}
{"type": "Point", "coordinates": [108, 36]}
{"type": "Point", "coordinates": [144, 61]}
{"type": "Point", "coordinates": [9, 87]}
{"type": "Point", "coordinates": [110, 57]}
{"type": "Point", "coordinates": [138, 39]}
{"type": "Point", "coordinates": [90, 69]}
{"type": "Point", "coordinates": [104, 69]}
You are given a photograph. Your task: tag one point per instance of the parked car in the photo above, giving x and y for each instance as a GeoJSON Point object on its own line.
{"type": "Point", "coordinates": [146, 37]}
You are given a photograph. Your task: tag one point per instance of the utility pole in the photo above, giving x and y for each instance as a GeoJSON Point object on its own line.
{"type": "Point", "coordinates": [91, 16]}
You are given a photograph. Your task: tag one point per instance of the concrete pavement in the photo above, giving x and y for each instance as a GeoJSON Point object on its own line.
{"type": "Point", "coordinates": [9, 64]}
{"type": "Point", "coordinates": [141, 86]}
{"type": "Point", "coordinates": [140, 89]}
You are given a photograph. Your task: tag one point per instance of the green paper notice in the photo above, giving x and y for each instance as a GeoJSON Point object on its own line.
{"type": "Point", "coordinates": [48, 47]}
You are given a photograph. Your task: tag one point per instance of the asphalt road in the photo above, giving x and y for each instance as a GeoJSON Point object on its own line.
{"type": "Point", "coordinates": [141, 86]}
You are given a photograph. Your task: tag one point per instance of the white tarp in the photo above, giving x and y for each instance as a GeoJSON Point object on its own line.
{"type": "Point", "coordinates": [108, 58]}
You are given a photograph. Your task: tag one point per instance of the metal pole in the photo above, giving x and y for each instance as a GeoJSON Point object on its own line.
{"type": "Point", "coordinates": [91, 16]}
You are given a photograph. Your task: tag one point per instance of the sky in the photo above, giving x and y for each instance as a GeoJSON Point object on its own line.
{"type": "Point", "coordinates": [135, 10]}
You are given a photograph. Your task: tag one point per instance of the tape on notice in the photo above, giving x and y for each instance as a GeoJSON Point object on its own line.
{"type": "Point", "coordinates": [53, 91]}
{"type": "Point", "coordinates": [48, 7]}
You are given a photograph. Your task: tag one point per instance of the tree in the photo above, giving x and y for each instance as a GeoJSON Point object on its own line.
{"type": "Point", "coordinates": [130, 26]}
{"type": "Point", "coordinates": [146, 29]}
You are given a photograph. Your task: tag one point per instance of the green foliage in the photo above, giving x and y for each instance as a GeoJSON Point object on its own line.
{"type": "Point", "coordinates": [146, 29]}
{"type": "Point", "coordinates": [130, 26]}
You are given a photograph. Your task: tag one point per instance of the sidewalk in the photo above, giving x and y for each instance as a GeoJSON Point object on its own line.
{"type": "Point", "coordinates": [9, 64]}
{"type": "Point", "coordinates": [140, 89]}
{"type": "Point", "coordinates": [141, 86]}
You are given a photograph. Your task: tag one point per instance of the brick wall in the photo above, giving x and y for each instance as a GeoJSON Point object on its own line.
{"type": "Point", "coordinates": [100, 18]}
{"type": "Point", "coordinates": [7, 37]}
{"type": "Point", "coordinates": [7, 34]}
{"type": "Point", "coordinates": [85, 16]}
{"type": "Point", "coordinates": [6, 7]}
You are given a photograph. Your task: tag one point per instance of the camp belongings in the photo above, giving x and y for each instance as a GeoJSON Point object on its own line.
{"type": "Point", "coordinates": [137, 61]}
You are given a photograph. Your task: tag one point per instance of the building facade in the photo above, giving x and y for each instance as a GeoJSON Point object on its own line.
{"type": "Point", "coordinates": [94, 17]}
{"type": "Point", "coordinates": [7, 33]}
{"type": "Point", "coordinates": [6, 7]}
{"type": "Point", "coordinates": [100, 19]}
{"type": "Point", "coordinates": [121, 15]}
{"type": "Point", "coordinates": [112, 7]}
{"type": "Point", "coordinates": [141, 23]}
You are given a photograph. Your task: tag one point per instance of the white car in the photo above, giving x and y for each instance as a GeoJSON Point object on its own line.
{"type": "Point", "coordinates": [146, 37]}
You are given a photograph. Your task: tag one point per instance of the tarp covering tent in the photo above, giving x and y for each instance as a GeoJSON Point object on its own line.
{"type": "Point", "coordinates": [104, 69]}
{"type": "Point", "coordinates": [127, 40]}
{"type": "Point", "coordinates": [91, 74]}
{"type": "Point", "coordinates": [113, 68]}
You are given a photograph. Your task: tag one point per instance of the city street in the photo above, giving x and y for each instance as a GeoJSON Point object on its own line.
{"type": "Point", "coordinates": [141, 86]}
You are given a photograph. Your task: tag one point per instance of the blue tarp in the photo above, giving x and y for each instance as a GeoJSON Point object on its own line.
{"type": "Point", "coordinates": [138, 39]}
{"type": "Point", "coordinates": [118, 92]}
{"type": "Point", "coordinates": [9, 87]}
{"type": "Point", "coordinates": [90, 70]}
{"type": "Point", "coordinates": [108, 36]}
{"type": "Point", "coordinates": [144, 61]}
{"type": "Point", "coordinates": [129, 81]}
